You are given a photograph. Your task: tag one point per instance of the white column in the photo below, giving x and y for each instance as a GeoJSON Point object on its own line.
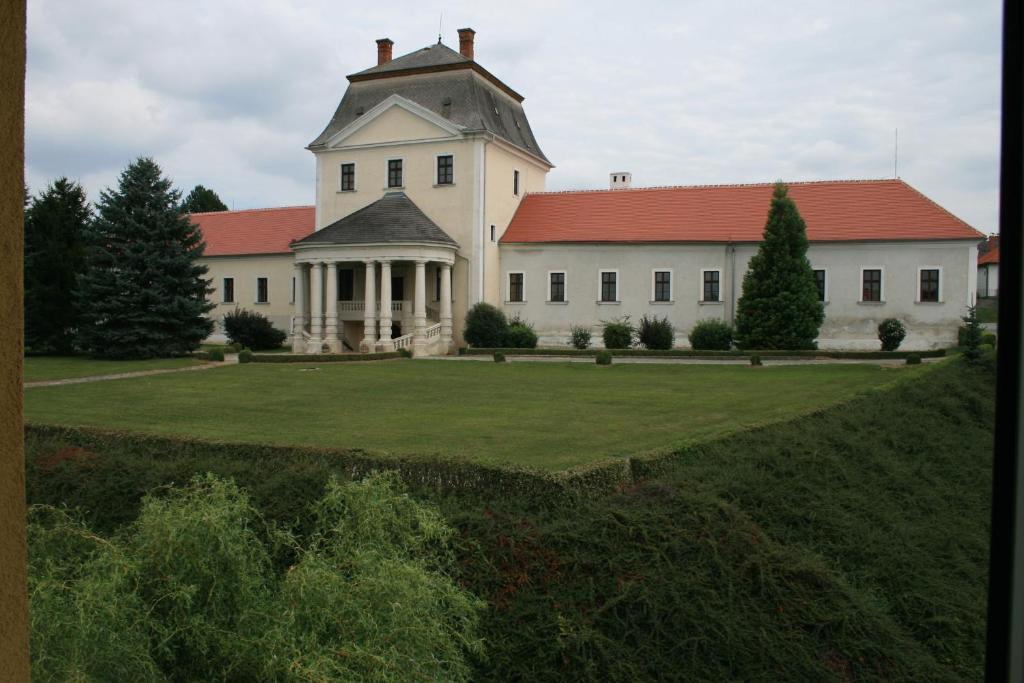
{"type": "Point", "coordinates": [299, 309]}
{"type": "Point", "coordinates": [331, 318]}
{"type": "Point", "coordinates": [369, 312]}
{"type": "Point", "coordinates": [385, 307]}
{"type": "Point", "coordinates": [316, 296]}
{"type": "Point", "coordinates": [419, 334]}
{"type": "Point", "coordinates": [446, 307]}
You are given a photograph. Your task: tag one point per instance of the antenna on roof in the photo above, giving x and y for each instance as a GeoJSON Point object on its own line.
{"type": "Point", "coordinates": [896, 156]}
{"type": "Point", "coordinates": [440, 23]}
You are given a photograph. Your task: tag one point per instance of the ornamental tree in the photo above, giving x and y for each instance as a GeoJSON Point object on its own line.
{"type": "Point", "coordinates": [202, 199]}
{"type": "Point", "coordinates": [143, 294]}
{"type": "Point", "coordinates": [779, 308]}
{"type": "Point", "coordinates": [55, 224]}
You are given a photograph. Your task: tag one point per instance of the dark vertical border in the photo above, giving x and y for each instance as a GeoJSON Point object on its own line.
{"type": "Point", "coordinates": [14, 661]}
{"type": "Point", "coordinates": [1004, 654]}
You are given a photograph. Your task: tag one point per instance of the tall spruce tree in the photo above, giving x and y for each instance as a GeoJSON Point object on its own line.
{"type": "Point", "coordinates": [779, 308]}
{"type": "Point", "coordinates": [202, 199]}
{"type": "Point", "coordinates": [143, 294]}
{"type": "Point", "coordinates": [54, 255]}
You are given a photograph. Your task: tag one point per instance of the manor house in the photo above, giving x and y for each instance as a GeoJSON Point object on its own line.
{"type": "Point", "coordinates": [430, 198]}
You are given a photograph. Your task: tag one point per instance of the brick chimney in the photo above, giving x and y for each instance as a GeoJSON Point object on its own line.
{"type": "Point", "coordinates": [384, 46]}
{"type": "Point", "coordinates": [466, 42]}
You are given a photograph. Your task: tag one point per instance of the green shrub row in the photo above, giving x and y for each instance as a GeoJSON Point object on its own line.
{"type": "Point", "coordinates": [322, 357]}
{"type": "Point", "coordinates": [691, 353]}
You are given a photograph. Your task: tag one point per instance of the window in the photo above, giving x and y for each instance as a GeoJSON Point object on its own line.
{"type": "Point", "coordinates": [872, 284]}
{"type": "Point", "coordinates": [819, 280]}
{"type": "Point", "coordinates": [930, 285]}
{"type": "Point", "coordinates": [348, 177]}
{"type": "Point", "coordinates": [556, 286]}
{"type": "Point", "coordinates": [437, 284]}
{"type": "Point", "coordinates": [293, 290]}
{"type": "Point", "coordinates": [493, 234]}
{"type": "Point", "coordinates": [262, 296]}
{"type": "Point", "coordinates": [515, 287]}
{"type": "Point", "coordinates": [228, 290]}
{"type": "Point", "coordinates": [346, 284]}
{"type": "Point", "coordinates": [445, 170]}
{"type": "Point", "coordinates": [663, 285]}
{"type": "Point", "coordinates": [394, 173]}
{"type": "Point", "coordinates": [711, 288]}
{"type": "Point", "coordinates": [515, 183]}
{"type": "Point", "coordinates": [609, 286]}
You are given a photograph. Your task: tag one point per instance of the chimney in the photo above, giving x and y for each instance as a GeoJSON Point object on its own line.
{"type": "Point", "coordinates": [384, 46]}
{"type": "Point", "coordinates": [466, 42]}
{"type": "Point", "coordinates": [620, 180]}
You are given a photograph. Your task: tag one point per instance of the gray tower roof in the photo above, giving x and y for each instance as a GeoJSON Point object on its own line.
{"type": "Point", "coordinates": [392, 218]}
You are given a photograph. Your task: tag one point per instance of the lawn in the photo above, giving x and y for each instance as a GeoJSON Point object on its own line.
{"type": "Point", "coordinates": [44, 368]}
{"type": "Point", "coordinates": [542, 415]}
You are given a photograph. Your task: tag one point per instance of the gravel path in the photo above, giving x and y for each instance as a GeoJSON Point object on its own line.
{"type": "Point", "coordinates": [229, 359]}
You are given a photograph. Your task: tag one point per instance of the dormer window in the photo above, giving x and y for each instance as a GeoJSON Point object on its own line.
{"type": "Point", "coordinates": [394, 173]}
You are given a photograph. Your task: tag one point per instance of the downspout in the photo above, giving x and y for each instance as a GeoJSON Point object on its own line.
{"type": "Point", "coordinates": [731, 250]}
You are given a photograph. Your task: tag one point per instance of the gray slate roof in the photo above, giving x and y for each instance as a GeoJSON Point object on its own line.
{"type": "Point", "coordinates": [392, 218]}
{"type": "Point", "coordinates": [467, 101]}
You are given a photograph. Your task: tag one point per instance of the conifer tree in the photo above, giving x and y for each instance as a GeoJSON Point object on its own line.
{"type": "Point", "coordinates": [54, 255]}
{"type": "Point", "coordinates": [143, 294]}
{"type": "Point", "coordinates": [202, 199]}
{"type": "Point", "coordinates": [779, 308]}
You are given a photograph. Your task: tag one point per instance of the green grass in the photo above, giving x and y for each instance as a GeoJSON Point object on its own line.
{"type": "Point", "coordinates": [548, 416]}
{"type": "Point", "coordinates": [43, 368]}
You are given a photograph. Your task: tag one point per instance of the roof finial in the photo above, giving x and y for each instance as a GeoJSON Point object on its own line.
{"type": "Point", "coordinates": [440, 23]}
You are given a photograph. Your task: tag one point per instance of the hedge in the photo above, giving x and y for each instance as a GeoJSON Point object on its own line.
{"type": "Point", "coordinates": [322, 357]}
{"type": "Point", "coordinates": [690, 353]}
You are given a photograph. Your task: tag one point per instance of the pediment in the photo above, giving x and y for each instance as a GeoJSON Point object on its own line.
{"type": "Point", "coordinates": [395, 119]}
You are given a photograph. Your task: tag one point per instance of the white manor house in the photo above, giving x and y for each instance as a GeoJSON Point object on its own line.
{"type": "Point", "coordinates": [430, 198]}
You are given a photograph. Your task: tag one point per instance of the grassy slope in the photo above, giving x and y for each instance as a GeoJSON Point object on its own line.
{"type": "Point", "coordinates": [42, 368]}
{"type": "Point", "coordinates": [548, 416]}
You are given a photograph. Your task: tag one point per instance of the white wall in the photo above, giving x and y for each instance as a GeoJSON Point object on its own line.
{"type": "Point", "coordinates": [277, 268]}
{"type": "Point", "coordinates": [849, 323]}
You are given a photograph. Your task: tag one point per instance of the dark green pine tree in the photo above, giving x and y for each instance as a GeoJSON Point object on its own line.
{"type": "Point", "coordinates": [55, 226]}
{"type": "Point", "coordinates": [202, 199]}
{"type": "Point", "coordinates": [779, 308]}
{"type": "Point", "coordinates": [143, 294]}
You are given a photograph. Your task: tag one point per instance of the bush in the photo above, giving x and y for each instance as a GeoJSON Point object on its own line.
{"type": "Point", "coordinates": [485, 326]}
{"type": "Point", "coordinates": [499, 357]}
{"type": "Point", "coordinates": [216, 354]}
{"type": "Point", "coordinates": [519, 335]}
{"type": "Point", "coordinates": [913, 359]}
{"type": "Point", "coordinates": [235, 348]}
{"type": "Point", "coordinates": [971, 337]}
{"type": "Point", "coordinates": [252, 330]}
{"type": "Point", "coordinates": [603, 358]}
{"type": "Point", "coordinates": [579, 337]}
{"type": "Point", "coordinates": [756, 360]}
{"type": "Point", "coordinates": [891, 333]}
{"type": "Point", "coordinates": [655, 333]}
{"type": "Point", "coordinates": [404, 353]}
{"type": "Point", "coordinates": [989, 339]}
{"type": "Point", "coordinates": [618, 334]}
{"type": "Point", "coordinates": [711, 335]}
{"type": "Point", "coordinates": [245, 356]}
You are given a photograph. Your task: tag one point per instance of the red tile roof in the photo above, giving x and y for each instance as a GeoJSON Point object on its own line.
{"type": "Point", "coordinates": [254, 231]}
{"type": "Point", "coordinates": [833, 211]}
{"type": "Point", "coordinates": [990, 256]}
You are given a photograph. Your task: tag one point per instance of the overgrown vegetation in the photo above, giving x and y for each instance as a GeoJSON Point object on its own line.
{"type": "Point", "coordinates": [199, 587]}
{"type": "Point", "coordinates": [252, 330]}
{"type": "Point", "coordinates": [618, 333]}
{"type": "Point", "coordinates": [519, 334]}
{"type": "Point", "coordinates": [711, 334]}
{"type": "Point", "coordinates": [656, 333]}
{"type": "Point", "coordinates": [579, 337]}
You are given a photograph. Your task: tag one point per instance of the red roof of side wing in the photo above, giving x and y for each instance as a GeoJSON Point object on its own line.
{"type": "Point", "coordinates": [990, 256]}
{"type": "Point", "coordinates": [833, 210]}
{"type": "Point", "coordinates": [254, 231]}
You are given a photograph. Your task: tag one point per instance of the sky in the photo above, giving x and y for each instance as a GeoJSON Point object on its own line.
{"type": "Point", "coordinates": [228, 93]}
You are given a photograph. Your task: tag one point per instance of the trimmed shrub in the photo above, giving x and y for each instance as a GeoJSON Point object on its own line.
{"type": "Point", "coordinates": [913, 359]}
{"type": "Point", "coordinates": [755, 360]}
{"type": "Point", "coordinates": [404, 353]}
{"type": "Point", "coordinates": [579, 337]}
{"type": "Point", "coordinates": [603, 358]}
{"type": "Point", "coordinates": [499, 357]}
{"type": "Point", "coordinates": [216, 354]}
{"type": "Point", "coordinates": [485, 326]}
{"type": "Point", "coordinates": [245, 356]}
{"type": "Point", "coordinates": [711, 335]}
{"type": "Point", "coordinates": [520, 335]}
{"type": "Point", "coordinates": [618, 333]}
{"type": "Point", "coordinates": [891, 333]}
{"type": "Point", "coordinates": [252, 330]}
{"type": "Point", "coordinates": [656, 333]}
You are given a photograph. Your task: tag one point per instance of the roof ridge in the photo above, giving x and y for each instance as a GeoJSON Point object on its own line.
{"type": "Point", "coordinates": [730, 185]}
{"type": "Point", "coordinates": [268, 208]}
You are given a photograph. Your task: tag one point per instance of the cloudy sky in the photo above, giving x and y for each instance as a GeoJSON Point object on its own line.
{"type": "Point", "coordinates": [228, 93]}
